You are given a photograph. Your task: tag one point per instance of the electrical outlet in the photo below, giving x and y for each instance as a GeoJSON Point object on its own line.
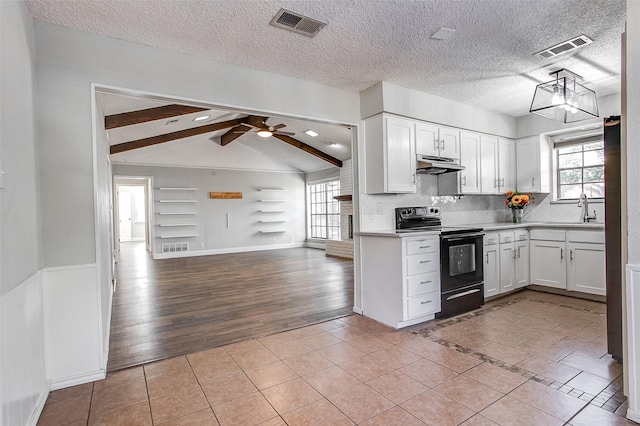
{"type": "Point", "coordinates": [201, 245]}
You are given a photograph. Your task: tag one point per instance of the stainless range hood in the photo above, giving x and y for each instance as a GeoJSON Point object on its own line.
{"type": "Point", "coordinates": [428, 165]}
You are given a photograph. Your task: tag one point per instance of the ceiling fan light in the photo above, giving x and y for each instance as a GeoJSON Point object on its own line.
{"type": "Point", "coordinates": [264, 133]}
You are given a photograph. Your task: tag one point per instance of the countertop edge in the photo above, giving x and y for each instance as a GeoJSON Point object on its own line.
{"type": "Point", "coordinates": [486, 227]}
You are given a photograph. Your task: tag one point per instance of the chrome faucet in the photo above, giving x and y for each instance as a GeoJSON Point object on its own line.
{"type": "Point", "coordinates": [583, 202]}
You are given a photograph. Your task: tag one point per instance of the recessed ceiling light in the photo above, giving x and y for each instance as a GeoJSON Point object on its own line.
{"type": "Point", "coordinates": [331, 143]}
{"type": "Point", "coordinates": [443, 34]}
{"type": "Point", "coordinates": [311, 133]}
{"type": "Point", "coordinates": [201, 117]}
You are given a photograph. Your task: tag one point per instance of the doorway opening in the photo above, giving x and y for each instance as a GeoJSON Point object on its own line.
{"type": "Point", "coordinates": [132, 215]}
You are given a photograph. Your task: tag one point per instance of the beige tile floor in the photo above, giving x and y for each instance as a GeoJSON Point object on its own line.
{"type": "Point", "coordinates": [528, 359]}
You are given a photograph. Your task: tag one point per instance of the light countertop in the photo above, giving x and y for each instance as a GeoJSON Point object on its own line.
{"type": "Point", "coordinates": [488, 227]}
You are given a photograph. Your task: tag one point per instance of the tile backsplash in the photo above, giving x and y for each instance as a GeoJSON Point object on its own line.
{"type": "Point", "coordinates": [378, 211]}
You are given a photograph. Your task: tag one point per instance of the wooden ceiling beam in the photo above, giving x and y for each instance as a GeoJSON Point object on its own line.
{"type": "Point", "coordinates": [309, 149]}
{"type": "Point", "coordinates": [233, 134]}
{"type": "Point", "coordinates": [145, 115]}
{"type": "Point", "coordinates": [180, 134]}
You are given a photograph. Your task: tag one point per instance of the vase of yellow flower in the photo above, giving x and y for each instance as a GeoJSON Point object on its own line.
{"type": "Point", "coordinates": [516, 202]}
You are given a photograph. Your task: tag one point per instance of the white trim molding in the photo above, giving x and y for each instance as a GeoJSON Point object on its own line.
{"type": "Point", "coordinates": [632, 358]}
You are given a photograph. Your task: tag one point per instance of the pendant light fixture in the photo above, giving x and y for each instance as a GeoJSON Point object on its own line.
{"type": "Point", "coordinates": [564, 98]}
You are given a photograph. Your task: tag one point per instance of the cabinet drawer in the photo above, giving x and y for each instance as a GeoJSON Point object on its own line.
{"type": "Point", "coordinates": [423, 305]}
{"type": "Point", "coordinates": [547, 235]}
{"type": "Point", "coordinates": [586, 237]}
{"type": "Point", "coordinates": [422, 263]}
{"type": "Point", "coordinates": [522, 235]}
{"type": "Point", "coordinates": [507, 237]}
{"type": "Point", "coordinates": [425, 245]}
{"type": "Point", "coordinates": [424, 283]}
{"type": "Point", "coordinates": [491, 238]}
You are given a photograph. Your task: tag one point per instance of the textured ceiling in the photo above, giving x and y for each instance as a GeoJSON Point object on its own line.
{"type": "Point", "coordinates": [488, 62]}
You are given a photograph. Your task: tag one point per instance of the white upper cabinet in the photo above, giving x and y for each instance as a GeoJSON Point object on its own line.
{"type": "Point", "coordinates": [437, 141]}
{"type": "Point", "coordinates": [506, 165]}
{"type": "Point", "coordinates": [469, 158]}
{"type": "Point", "coordinates": [533, 165]}
{"type": "Point", "coordinates": [390, 152]}
{"type": "Point", "coordinates": [489, 164]}
{"type": "Point", "coordinates": [497, 165]}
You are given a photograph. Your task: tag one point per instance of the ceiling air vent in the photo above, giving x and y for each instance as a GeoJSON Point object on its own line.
{"type": "Point", "coordinates": [564, 47]}
{"type": "Point", "coordinates": [297, 23]}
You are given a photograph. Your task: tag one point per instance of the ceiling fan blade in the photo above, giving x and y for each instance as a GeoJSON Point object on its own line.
{"type": "Point", "coordinates": [233, 134]}
{"type": "Point", "coordinates": [278, 132]}
{"type": "Point", "coordinates": [278, 126]}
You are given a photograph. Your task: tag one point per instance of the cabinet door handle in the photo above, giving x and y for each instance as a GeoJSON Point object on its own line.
{"type": "Point", "coordinates": [518, 252]}
{"type": "Point", "coordinates": [424, 302]}
{"type": "Point", "coordinates": [413, 178]}
{"type": "Point", "coordinates": [436, 144]}
{"type": "Point", "coordinates": [571, 255]}
{"type": "Point", "coordinates": [533, 181]}
{"type": "Point", "coordinates": [514, 255]}
{"type": "Point", "coordinates": [441, 144]}
{"type": "Point", "coordinates": [561, 254]}
{"type": "Point", "coordinates": [425, 282]}
{"type": "Point", "coordinates": [487, 255]}
{"type": "Point", "coordinates": [502, 182]}
{"type": "Point", "coordinates": [465, 181]}
{"type": "Point", "coordinates": [424, 247]}
{"type": "Point", "coordinates": [496, 184]}
{"type": "Point", "coordinates": [425, 261]}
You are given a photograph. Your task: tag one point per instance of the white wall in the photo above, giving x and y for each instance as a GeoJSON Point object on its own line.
{"type": "Point", "coordinates": [214, 233]}
{"type": "Point", "coordinates": [632, 130]}
{"type": "Point", "coordinates": [23, 388]}
{"type": "Point", "coordinates": [387, 97]}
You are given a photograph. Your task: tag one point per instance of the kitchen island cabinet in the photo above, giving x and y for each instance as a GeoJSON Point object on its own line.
{"type": "Point", "coordinates": [400, 277]}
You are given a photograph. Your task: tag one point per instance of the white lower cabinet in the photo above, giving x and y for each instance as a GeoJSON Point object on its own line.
{"type": "Point", "coordinates": [491, 267]}
{"type": "Point", "coordinates": [400, 278]}
{"type": "Point", "coordinates": [522, 259]}
{"type": "Point", "coordinates": [506, 261]}
{"type": "Point", "coordinates": [571, 260]}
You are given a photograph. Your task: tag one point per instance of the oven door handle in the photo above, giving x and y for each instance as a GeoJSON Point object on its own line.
{"type": "Point", "coordinates": [459, 237]}
{"type": "Point", "coordinates": [464, 293]}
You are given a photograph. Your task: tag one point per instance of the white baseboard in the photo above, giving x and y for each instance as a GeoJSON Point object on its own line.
{"type": "Point", "coordinates": [37, 410]}
{"type": "Point", "coordinates": [80, 379]}
{"type": "Point", "coordinates": [226, 250]}
{"type": "Point", "coordinates": [633, 415]}
{"type": "Point", "coordinates": [357, 310]}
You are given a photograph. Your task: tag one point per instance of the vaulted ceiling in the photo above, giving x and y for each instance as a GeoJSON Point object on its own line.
{"type": "Point", "coordinates": [488, 62]}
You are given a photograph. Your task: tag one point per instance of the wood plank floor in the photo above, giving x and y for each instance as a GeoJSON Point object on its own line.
{"type": "Point", "coordinates": [171, 307]}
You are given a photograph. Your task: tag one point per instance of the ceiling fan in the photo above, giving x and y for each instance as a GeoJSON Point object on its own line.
{"type": "Point", "coordinates": [263, 130]}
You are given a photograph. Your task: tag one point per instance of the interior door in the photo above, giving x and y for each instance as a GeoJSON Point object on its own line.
{"type": "Point", "coordinates": [124, 215]}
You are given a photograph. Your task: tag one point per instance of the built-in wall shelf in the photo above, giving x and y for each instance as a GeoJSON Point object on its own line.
{"type": "Point", "coordinates": [272, 221]}
{"type": "Point", "coordinates": [271, 211]}
{"type": "Point", "coordinates": [176, 213]}
{"type": "Point", "coordinates": [174, 225]}
{"type": "Point", "coordinates": [271, 190]}
{"type": "Point", "coordinates": [165, 188]}
{"type": "Point", "coordinates": [272, 231]}
{"type": "Point", "coordinates": [178, 201]}
{"type": "Point", "coordinates": [343, 197]}
{"type": "Point", "coordinates": [165, 237]}
{"type": "Point", "coordinates": [272, 201]}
